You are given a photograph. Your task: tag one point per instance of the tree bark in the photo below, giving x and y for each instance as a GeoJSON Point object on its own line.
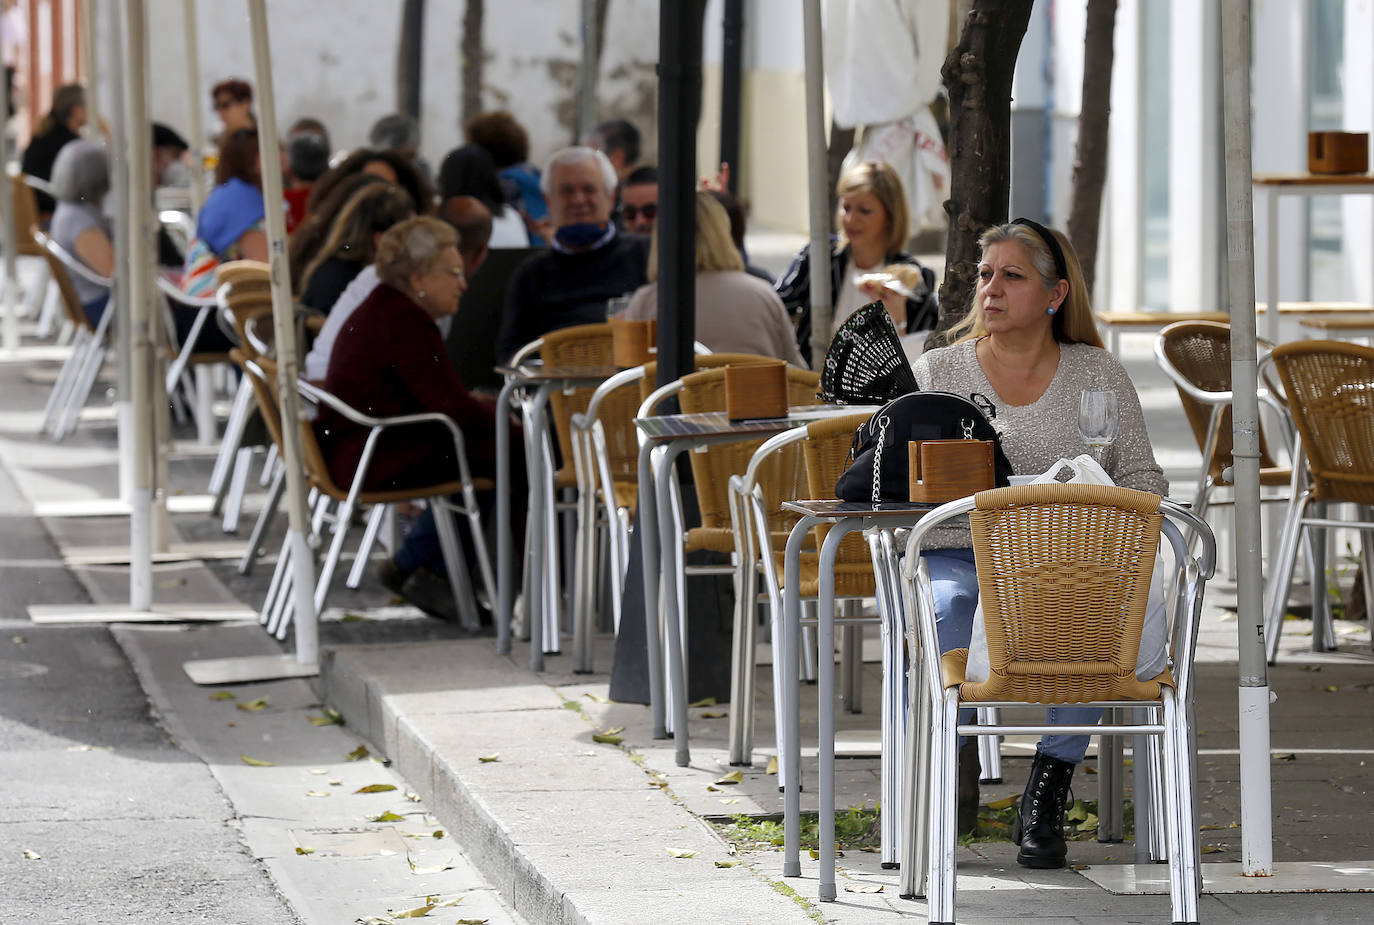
{"type": "Point", "coordinates": [473, 57]}
{"type": "Point", "coordinates": [978, 75]}
{"type": "Point", "coordinates": [410, 58]}
{"type": "Point", "coordinates": [1090, 159]}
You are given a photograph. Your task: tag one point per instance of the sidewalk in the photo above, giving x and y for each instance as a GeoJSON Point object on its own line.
{"type": "Point", "coordinates": [569, 829]}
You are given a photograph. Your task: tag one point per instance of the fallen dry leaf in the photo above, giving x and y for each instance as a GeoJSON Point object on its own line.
{"type": "Point", "coordinates": [252, 706]}
{"type": "Point", "coordinates": [681, 853]}
{"type": "Point", "coordinates": [597, 698]}
{"type": "Point", "coordinates": [171, 583]}
{"type": "Point", "coordinates": [330, 717]}
{"type": "Point", "coordinates": [713, 714]}
{"type": "Point", "coordinates": [358, 754]}
{"type": "Point", "coordinates": [572, 705]}
{"type": "Point", "coordinates": [730, 802]}
{"type": "Point", "coordinates": [607, 738]}
{"type": "Point", "coordinates": [1213, 849]}
{"type": "Point", "coordinates": [423, 871]}
{"type": "Point", "coordinates": [354, 618]}
{"type": "Point", "coordinates": [319, 770]}
{"type": "Point", "coordinates": [17, 640]}
{"type": "Point", "coordinates": [387, 816]}
{"type": "Point", "coordinates": [863, 887]}
{"type": "Point", "coordinates": [376, 788]}
{"type": "Point", "coordinates": [488, 759]}
{"type": "Point", "coordinates": [1004, 803]}
{"type": "Point", "coordinates": [303, 850]}
{"type": "Point", "coordinates": [32, 855]}
{"type": "Point", "coordinates": [317, 793]}
{"type": "Point", "coordinates": [734, 777]}
{"type": "Point", "coordinates": [256, 762]}
{"type": "Point", "coordinates": [772, 765]}
{"type": "Point", "coordinates": [223, 695]}
{"type": "Point", "coordinates": [1331, 688]}
{"type": "Point", "coordinates": [727, 863]}
{"type": "Point", "coordinates": [473, 921]}
{"type": "Point", "coordinates": [411, 795]}
{"type": "Point", "coordinates": [703, 702]}
{"type": "Point", "coordinates": [335, 782]}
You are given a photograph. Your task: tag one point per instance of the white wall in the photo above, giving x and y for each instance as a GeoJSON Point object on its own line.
{"type": "Point", "coordinates": [337, 61]}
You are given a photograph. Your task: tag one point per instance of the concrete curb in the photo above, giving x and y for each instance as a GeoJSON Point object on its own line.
{"type": "Point", "coordinates": [569, 831]}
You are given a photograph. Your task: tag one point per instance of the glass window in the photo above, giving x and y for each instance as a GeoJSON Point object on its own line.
{"type": "Point", "coordinates": [1325, 79]}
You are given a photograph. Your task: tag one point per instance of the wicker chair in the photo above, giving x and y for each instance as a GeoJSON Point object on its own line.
{"type": "Point", "coordinates": [277, 613]}
{"type": "Point", "coordinates": [1064, 574]}
{"type": "Point", "coordinates": [1196, 356]}
{"type": "Point", "coordinates": [1330, 389]}
{"type": "Point", "coordinates": [606, 452]}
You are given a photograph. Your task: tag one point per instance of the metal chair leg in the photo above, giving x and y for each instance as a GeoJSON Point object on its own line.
{"type": "Point", "coordinates": [62, 385]}
{"type": "Point", "coordinates": [454, 564]}
{"type": "Point", "coordinates": [989, 748]}
{"type": "Point", "coordinates": [84, 385]}
{"type": "Point", "coordinates": [233, 507]}
{"type": "Point", "coordinates": [374, 524]}
{"type": "Point", "coordinates": [265, 517]}
{"type": "Point", "coordinates": [231, 441]}
{"type": "Point", "coordinates": [1323, 633]}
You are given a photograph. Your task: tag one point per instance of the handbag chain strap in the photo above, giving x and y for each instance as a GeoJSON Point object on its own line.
{"type": "Point", "coordinates": [883, 421]}
{"type": "Point", "coordinates": [967, 425]}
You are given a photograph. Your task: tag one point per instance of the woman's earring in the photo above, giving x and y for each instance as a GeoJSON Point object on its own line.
{"type": "Point", "coordinates": [421, 294]}
{"type": "Point", "coordinates": [1051, 308]}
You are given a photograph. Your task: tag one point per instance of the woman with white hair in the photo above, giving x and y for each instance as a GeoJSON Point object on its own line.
{"type": "Point", "coordinates": [80, 179]}
{"type": "Point", "coordinates": [389, 359]}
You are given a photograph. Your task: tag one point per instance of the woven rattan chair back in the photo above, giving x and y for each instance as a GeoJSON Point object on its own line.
{"type": "Point", "coordinates": [25, 218]}
{"type": "Point", "coordinates": [263, 392]}
{"type": "Point", "coordinates": [703, 361]}
{"type": "Point", "coordinates": [826, 454]}
{"type": "Point", "coordinates": [249, 293]}
{"type": "Point", "coordinates": [1064, 575]}
{"type": "Point", "coordinates": [269, 403]}
{"type": "Point", "coordinates": [71, 302]}
{"type": "Point", "coordinates": [1200, 351]}
{"type": "Point", "coordinates": [784, 476]}
{"type": "Point", "coordinates": [1330, 386]}
{"type": "Point", "coordinates": [582, 346]}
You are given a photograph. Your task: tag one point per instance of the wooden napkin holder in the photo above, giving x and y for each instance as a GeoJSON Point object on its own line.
{"type": "Point", "coordinates": [632, 342]}
{"type": "Point", "coordinates": [945, 470]}
{"type": "Point", "coordinates": [756, 391]}
{"type": "Point", "coordinates": [1337, 152]}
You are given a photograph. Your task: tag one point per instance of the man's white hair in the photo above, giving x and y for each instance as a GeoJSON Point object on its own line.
{"type": "Point", "coordinates": [578, 154]}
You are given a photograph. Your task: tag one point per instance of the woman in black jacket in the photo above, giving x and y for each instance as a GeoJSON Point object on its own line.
{"type": "Point", "coordinates": [874, 227]}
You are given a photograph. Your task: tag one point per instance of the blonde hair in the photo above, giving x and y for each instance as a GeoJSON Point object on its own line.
{"type": "Point", "coordinates": [1073, 321]}
{"type": "Point", "coordinates": [882, 181]}
{"type": "Point", "coordinates": [412, 247]}
{"type": "Point", "coordinates": [716, 250]}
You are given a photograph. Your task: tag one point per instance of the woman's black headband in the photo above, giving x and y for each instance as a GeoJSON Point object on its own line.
{"type": "Point", "coordinates": [1060, 266]}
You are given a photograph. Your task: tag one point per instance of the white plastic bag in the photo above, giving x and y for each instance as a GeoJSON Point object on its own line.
{"type": "Point", "coordinates": [1153, 656]}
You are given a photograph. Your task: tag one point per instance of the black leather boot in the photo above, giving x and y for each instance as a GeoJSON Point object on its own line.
{"type": "Point", "coordinates": [969, 771]}
{"type": "Point", "coordinates": [1039, 826]}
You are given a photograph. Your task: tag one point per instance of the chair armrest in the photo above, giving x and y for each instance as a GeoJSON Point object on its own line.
{"type": "Point", "coordinates": [175, 292]}
{"type": "Point", "coordinates": [585, 419]}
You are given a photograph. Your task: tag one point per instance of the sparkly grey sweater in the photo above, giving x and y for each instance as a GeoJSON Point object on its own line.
{"type": "Point", "coordinates": [1035, 436]}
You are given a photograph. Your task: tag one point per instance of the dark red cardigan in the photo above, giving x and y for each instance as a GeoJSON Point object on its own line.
{"type": "Point", "coordinates": [389, 359]}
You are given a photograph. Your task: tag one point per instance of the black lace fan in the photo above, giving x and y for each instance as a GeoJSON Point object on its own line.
{"type": "Point", "coordinates": [865, 364]}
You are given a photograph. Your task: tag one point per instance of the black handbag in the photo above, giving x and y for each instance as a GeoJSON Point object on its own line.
{"type": "Point", "coordinates": [878, 471]}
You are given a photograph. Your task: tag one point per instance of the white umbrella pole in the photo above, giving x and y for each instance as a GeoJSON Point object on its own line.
{"type": "Point", "coordinates": [9, 231]}
{"type": "Point", "coordinates": [284, 328]}
{"type": "Point", "coordinates": [1256, 829]}
{"type": "Point", "coordinates": [196, 124]}
{"type": "Point", "coordinates": [138, 273]}
{"type": "Point", "coordinates": [89, 62]}
{"type": "Point", "coordinates": [818, 169]}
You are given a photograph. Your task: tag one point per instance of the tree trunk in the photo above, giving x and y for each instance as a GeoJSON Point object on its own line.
{"type": "Point", "coordinates": [1090, 159]}
{"type": "Point", "coordinates": [410, 58]}
{"type": "Point", "coordinates": [473, 57]}
{"type": "Point", "coordinates": [978, 74]}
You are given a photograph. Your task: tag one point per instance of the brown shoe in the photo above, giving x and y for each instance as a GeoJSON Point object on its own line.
{"type": "Point", "coordinates": [430, 593]}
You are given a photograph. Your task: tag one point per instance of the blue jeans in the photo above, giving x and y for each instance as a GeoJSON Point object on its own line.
{"type": "Point", "coordinates": [954, 586]}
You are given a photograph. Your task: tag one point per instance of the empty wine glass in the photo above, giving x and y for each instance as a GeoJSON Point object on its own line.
{"type": "Point", "coordinates": [1098, 421]}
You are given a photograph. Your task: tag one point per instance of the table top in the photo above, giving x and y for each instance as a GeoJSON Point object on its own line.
{"type": "Point", "coordinates": [539, 373]}
{"type": "Point", "coordinates": [1352, 321]}
{"type": "Point", "coordinates": [834, 508]}
{"type": "Point", "coordinates": [665, 427]}
{"type": "Point", "coordinates": [1304, 178]}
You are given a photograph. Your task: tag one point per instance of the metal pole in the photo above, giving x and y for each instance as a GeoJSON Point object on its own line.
{"type": "Point", "coordinates": [139, 273]}
{"type": "Point", "coordinates": [586, 75]}
{"type": "Point", "coordinates": [817, 162]}
{"type": "Point", "coordinates": [119, 292]}
{"type": "Point", "coordinates": [197, 120]}
{"type": "Point", "coordinates": [284, 329]}
{"type": "Point", "coordinates": [1256, 832]}
{"type": "Point", "coordinates": [731, 79]}
{"type": "Point", "coordinates": [9, 230]}
{"type": "Point", "coordinates": [679, 92]}
{"type": "Point", "coordinates": [88, 16]}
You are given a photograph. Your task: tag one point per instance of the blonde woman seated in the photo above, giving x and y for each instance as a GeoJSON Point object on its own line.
{"type": "Point", "coordinates": [735, 312]}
